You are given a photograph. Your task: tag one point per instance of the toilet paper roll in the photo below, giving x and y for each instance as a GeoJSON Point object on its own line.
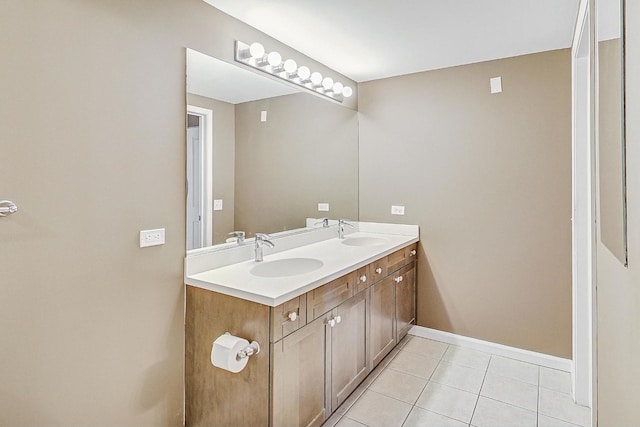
{"type": "Point", "coordinates": [224, 353]}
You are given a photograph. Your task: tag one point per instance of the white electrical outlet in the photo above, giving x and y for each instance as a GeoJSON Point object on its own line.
{"type": "Point", "coordinates": [151, 237]}
{"type": "Point", "coordinates": [323, 207]}
{"type": "Point", "coordinates": [263, 116]}
{"type": "Point", "coordinates": [397, 210]}
{"type": "Point", "coordinates": [217, 204]}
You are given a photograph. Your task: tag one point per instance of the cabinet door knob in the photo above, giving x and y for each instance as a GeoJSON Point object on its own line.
{"type": "Point", "coordinates": [363, 278]}
{"type": "Point", "coordinates": [338, 319]}
{"type": "Point", "coordinates": [397, 279]}
{"type": "Point", "coordinates": [413, 252]}
{"type": "Point", "coordinates": [292, 316]}
{"type": "Point", "coordinates": [401, 278]}
{"type": "Point", "coordinates": [378, 270]}
{"type": "Point", "coordinates": [331, 322]}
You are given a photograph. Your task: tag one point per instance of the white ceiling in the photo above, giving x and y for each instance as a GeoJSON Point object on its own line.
{"type": "Point", "coordinates": [372, 39]}
{"type": "Point", "coordinates": [216, 79]}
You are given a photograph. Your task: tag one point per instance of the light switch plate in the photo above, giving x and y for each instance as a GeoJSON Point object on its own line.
{"type": "Point", "coordinates": [397, 210]}
{"type": "Point", "coordinates": [323, 207]}
{"type": "Point", "coordinates": [217, 204]}
{"type": "Point", "coordinates": [151, 237]}
{"type": "Point", "coordinates": [263, 116]}
{"type": "Point", "coordinates": [496, 84]}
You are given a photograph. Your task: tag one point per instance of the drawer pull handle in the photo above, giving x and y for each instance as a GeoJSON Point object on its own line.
{"type": "Point", "coordinates": [292, 316]}
{"type": "Point", "coordinates": [363, 278]}
{"type": "Point", "coordinates": [413, 252]}
{"type": "Point", "coordinates": [379, 270]}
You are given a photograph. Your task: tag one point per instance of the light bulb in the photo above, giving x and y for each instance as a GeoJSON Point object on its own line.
{"type": "Point", "coordinates": [304, 73]}
{"type": "Point", "coordinates": [274, 59]}
{"type": "Point", "coordinates": [337, 88]}
{"type": "Point", "coordinates": [290, 66]}
{"type": "Point", "coordinates": [327, 83]}
{"type": "Point", "coordinates": [256, 50]}
{"type": "Point", "coordinates": [316, 78]}
{"type": "Point", "coordinates": [347, 91]}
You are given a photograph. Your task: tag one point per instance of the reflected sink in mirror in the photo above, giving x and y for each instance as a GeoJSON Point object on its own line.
{"type": "Point", "coordinates": [286, 267]}
{"type": "Point", "coordinates": [363, 241]}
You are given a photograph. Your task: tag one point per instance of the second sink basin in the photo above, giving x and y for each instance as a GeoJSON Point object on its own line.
{"type": "Point", "coordinates": [286, 267]}
{"type": "Point", "coordinates": [363, 241]}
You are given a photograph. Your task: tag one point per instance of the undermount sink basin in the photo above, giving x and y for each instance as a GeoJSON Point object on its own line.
{"type": "Point", "coordinates": [286, 267]}
{"type": "Point", "coordinates": [363, 241]}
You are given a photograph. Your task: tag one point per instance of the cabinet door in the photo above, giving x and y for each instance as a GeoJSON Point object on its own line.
{"type": "Point", "coordinates": [298, 377]}
{"type": "Point", "coordinates": [348, 348]}
{"type": "Point", "coordinates": [383, 311]}
{"type": "Point", "coordinates": [405, 300]}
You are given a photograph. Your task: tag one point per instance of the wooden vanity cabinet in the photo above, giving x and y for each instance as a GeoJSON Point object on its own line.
{"type": "Point", "coordinates": [298, 377]}
{"type": "Point", "coordinates": [382, 337]}
{"type": "Point", "coordinates": [317, 347]}
{"type": "Point", "coordinates": [348, 362]}
{"type": "Point", "coordinates": [404, 281]}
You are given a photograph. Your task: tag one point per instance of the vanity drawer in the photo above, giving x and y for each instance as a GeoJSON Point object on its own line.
{"type": "Point", "coordinates": [378, 270]}
{"type": "Point", "coordinates": [363, 278]}
{"type": "Point", "coordinates": [401, 257]}
{"type": "Point", "coordinates": [328, 296]}
{"type": "Point", "coordinates": [288, 317]}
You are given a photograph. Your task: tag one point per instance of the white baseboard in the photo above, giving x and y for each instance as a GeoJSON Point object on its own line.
{"type": "Point", "coordinates": [541, 359]}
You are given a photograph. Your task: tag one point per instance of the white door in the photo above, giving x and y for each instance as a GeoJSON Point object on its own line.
{"type": "Point", "coordinates": [194, 182]}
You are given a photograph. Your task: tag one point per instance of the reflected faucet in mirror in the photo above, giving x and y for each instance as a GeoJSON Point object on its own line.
{"type": "Point", "coordinates": [324, 221]}
{"type": "Point", "coordinates": [261, 240]}
{"type": "Point", "coordinates": [238, 236]}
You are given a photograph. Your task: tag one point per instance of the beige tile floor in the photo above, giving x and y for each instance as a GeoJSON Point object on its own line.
{"type": "Point", "coordinates": [430, 383]}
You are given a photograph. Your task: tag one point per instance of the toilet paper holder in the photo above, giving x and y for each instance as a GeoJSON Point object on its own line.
{"type": "Point", "coordinates": [248, 351]}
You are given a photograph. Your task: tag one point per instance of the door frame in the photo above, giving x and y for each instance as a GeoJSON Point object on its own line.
{"type": "Point", "coordinates": [584, 231]}
{"type": "Point", "coordinates": [206, 170]}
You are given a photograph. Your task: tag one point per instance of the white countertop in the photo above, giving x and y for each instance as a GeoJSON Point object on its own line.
{"type": "Point", "coordinates": [338, 259]}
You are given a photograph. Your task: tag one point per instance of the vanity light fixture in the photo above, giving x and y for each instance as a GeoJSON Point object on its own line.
{"type": "Point", "coordinates": [255, 56]}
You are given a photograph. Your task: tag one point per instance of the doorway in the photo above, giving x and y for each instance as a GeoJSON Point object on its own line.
{"type": "Point", "coordinates": [199, 177]}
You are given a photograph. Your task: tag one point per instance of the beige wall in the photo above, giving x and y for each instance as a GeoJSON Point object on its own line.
{"type": "Point", "coordinates": [305, 153]}
{"type": "Point", "coordinates": [488, 179]}
{"type": "Point", "coordinates": [224, 153]}
{"type": "Point", "coordinates": [618, 292]}
{"type": "Point", "coordinates": [92, 149]}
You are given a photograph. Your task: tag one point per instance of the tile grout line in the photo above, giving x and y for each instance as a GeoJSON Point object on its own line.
{"type": "Point", "coordinates": [480, 391]}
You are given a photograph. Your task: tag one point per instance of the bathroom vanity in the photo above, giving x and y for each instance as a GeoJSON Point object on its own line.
{"type": "Point", "coordinates": [325, 314]}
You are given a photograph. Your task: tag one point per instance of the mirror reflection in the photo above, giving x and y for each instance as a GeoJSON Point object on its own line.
{"type": "Point", "coordinates": [611, 129]}
{"type": "Point", "coordinates": [262, 155]}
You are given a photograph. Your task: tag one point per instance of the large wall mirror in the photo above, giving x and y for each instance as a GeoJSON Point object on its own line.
{"type": "Point", "coordinates": [611, 127]}
{"type": "Point", "coordinates": [262, 155]}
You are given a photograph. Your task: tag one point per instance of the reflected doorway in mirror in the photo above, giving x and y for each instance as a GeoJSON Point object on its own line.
{"type": "Point", "coordinates": [199, 177]}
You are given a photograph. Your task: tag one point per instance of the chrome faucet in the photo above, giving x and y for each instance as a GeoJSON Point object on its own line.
{"type": "Point", "coordinates": [341, 224]}
{"type": "Point", "coordinates": [324, 221]}
{"type": "Point", "coordinates": [262, 239]}
{"type": "Point", "coordinates": [239, 235]}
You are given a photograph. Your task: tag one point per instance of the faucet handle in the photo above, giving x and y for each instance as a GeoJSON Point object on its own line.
{"type": "Point", "coordinates": [239, 235]}
{"type": "Point", "coordinates": [324, 221]}
{"type": "Point", "coordinates": [264, 238]}
{"type": "Point", "coordinates": [344, 222]}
